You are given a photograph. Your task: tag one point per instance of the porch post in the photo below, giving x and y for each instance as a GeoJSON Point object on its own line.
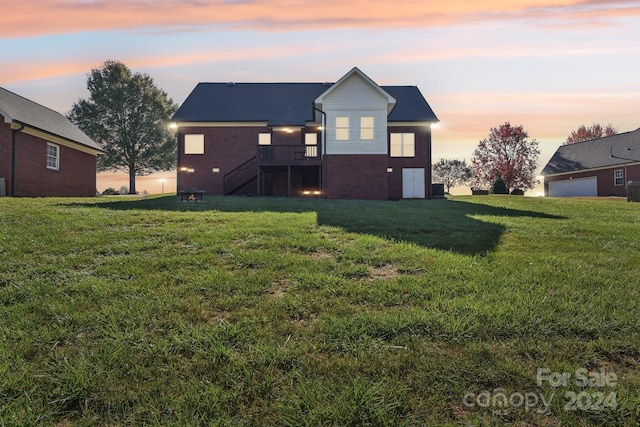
{"type": "Point", "coordinates": [258, 182]}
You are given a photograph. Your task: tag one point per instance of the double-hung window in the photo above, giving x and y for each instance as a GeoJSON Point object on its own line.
{"type": "Point", "coordinates": [402, 145]}
{"type": "Point", "coordinates": [366, 128]}
{"type": "Point", "coordinates": [53, 156]}
{"type": "Point", "coordinates": [618, 177]}
{"type": "Point", "coordinates": [342, 128]}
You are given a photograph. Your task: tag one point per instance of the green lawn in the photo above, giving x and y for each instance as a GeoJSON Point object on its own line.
{"type": "Point", "coordinates": [290, 312]}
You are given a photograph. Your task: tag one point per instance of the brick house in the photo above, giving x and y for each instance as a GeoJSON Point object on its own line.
{"type": "Point", "coordinates": [352, 139]}
{"type": "Point", "coordinates": [42, 153]}
{"type": "Point", "coordinates": [599, 167]}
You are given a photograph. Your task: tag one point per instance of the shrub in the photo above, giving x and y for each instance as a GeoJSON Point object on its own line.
{"type": "Point", "coordinates": [498, 186]}
{"type": "Point", "coordinates": [110, 192]}
{"type": "Point", "coordinates": [517, 192]}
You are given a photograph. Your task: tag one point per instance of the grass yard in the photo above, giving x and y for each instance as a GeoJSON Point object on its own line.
{"type": "Point", "coordinates": [288, 312]}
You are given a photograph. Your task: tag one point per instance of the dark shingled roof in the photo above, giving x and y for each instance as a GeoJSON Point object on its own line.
{"type": "Point", "coordinates": [597, 153]}
{"type": "Point", "coordinates": [283, 104]}
{"type": "Point", "coordinates": [17, 109]}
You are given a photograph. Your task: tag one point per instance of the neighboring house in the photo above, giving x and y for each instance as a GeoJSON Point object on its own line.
{"type": "Point", "coordinates": [350, 140]}
{"type": "Point", "coordinates": [42, 153]}
{"type": "Point", "coordinates": [599, 167]}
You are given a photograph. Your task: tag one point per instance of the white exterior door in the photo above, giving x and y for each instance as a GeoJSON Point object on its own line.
{"type": "Point", "coordinates": [574, 187]}
{"type": "Point", "coordinates": [413, 183]}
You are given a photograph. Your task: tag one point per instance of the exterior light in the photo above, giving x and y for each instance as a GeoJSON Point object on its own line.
{"type": "Point", "coordinates": [173, 125]}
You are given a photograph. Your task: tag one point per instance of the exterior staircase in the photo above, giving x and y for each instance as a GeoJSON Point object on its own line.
{"type": "Point", "coordinates": [240, 175]}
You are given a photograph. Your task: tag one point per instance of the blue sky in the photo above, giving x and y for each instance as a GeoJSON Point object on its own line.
{"type": "Point", "coordinates": [549, 65]}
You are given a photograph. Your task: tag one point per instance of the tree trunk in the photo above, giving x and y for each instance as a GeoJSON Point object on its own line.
{"type": "Point", "coordinates": [132, 180]}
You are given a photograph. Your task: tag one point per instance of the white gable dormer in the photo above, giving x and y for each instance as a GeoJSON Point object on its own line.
{"type": "Point", "coordinates": [356, 111]}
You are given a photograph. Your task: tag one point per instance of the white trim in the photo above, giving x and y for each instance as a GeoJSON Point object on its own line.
{"type": "Point", "coordinates": [391, 101]}
{"type": "Point", "coordinates": [287, 129]}
{"type": "Point", "coordinates": [58, 140]}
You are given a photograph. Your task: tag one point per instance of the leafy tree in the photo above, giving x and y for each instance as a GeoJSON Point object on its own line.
{"type": "Point", "coordinates": [128, 116]}
{"type": "Point", "coordinates": [594, 131]}
{"type": "Point", "coordinates": [451, 172]}
{"type": "Point", "coordinates": [507, 152]}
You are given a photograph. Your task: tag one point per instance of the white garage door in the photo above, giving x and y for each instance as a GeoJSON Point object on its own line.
{"type": "Point", "coordinates": [574, 187]}
{"type": "Point", "coordinates": [413, 183]}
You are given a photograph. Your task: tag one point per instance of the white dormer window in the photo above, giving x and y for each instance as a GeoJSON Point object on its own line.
{"type": "Point", "coordinates": [342, 128]}
{"type": "Point", "coordinates": [366, 127]}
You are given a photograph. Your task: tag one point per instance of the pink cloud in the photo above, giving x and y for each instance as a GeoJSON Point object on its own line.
{"type": "Point", "coordinates": [43, 69]}
{"type": "Point", "coordinates": [21, 19]}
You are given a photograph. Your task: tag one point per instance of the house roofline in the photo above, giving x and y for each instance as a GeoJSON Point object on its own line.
{"type": "Point", "coordinates": [355, 70]}
{"type": "Point", "coordinates": [57, 139]}
{"type": "Point", "coordinates": [614, 166]}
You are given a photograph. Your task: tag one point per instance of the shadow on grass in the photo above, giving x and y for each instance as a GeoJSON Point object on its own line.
{"type": "Point", "coordinates": [450, 225]}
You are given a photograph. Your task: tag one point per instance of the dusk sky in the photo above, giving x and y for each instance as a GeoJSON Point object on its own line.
{"type": "Point", "coordinates": [549, 65]}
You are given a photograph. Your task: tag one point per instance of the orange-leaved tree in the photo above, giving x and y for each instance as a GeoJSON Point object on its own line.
{"type": "Point", "coordinates": [507, 152]}
{"type": "Point", "coordinates": [594, 131]}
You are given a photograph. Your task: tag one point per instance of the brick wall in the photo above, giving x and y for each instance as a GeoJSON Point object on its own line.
{"type": "Point", "coordinates": [225, 148]}
{"type": "Point", "coordinates": [422, 159]}
{"type": "Point", "coordinates": [348, 176]}
{"type": "Point", "coordinates": [76, 176]}
{"type": "Point", "coordinates": [6, 154]}
{"type": "Point", "coordinates": [357, 176]}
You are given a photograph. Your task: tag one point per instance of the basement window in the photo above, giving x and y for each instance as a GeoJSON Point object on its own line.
{"type": "Point", "coordinates": [194, 144]}
{"type": "Point", "coordinates": [53, 156]}
{"type": "Point", "coordinates": [618, 177]}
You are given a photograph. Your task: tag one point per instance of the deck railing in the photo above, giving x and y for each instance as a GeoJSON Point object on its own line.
{"type": "Point", "coordinates": [288, 154]}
